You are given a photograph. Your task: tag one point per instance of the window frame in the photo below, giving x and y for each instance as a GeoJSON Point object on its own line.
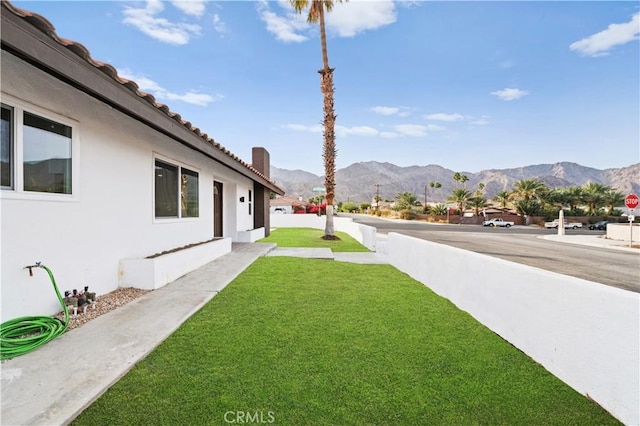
{"type": "Point", "coordinates": [17, 191]}
{"type": "Point", "coordinates": [180, 165]}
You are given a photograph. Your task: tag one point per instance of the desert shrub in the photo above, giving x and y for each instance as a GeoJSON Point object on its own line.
{"type": "Point", "coordinates": [349, 207]}
{"type": "Point", "coordinates": [407, 215]}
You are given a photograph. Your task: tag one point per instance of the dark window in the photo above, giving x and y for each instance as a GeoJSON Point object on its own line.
{"type": "Point", "coordinates": [189, 193]}
{"type": "Point", "coordinates": [47, 155]}
{"type": "Point", "coordinates": [166, 177]}
{"type": "Point", "coordinates": [6, 149]}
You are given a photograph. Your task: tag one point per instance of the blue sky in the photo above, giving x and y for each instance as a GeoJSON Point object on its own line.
{"type": "Point", "coordinates": [466, 85]}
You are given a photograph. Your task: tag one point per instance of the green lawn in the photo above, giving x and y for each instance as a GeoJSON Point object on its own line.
{"type": "Point", "coordinates": [308, 237]}
{"type": "Point", "coordinates": [312, 342]}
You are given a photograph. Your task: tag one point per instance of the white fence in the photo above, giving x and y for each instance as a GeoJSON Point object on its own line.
{"type": "Point", "coordinates": [621, 231]}
{"type": "Point", "coordinates": [365, 235]}
{"type": "Point", "coordinates": [585, 333]}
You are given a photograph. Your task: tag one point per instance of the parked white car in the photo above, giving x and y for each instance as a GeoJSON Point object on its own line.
{"type": "Point", "coordinates": [567, 224]}
{"type": "Point", "coordinates": [497, 222]}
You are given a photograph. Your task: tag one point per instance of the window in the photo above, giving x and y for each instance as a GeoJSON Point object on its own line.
{"type": "Point", "coordinates": [176, 191]}
{"type": "Point", "coordinates": [249, 202]}
{"type": "Point", "coordinates": [189, 193]}
{"type": "Point", "coordinates": [6, 150]}
{"type": "Point", "coordinates": [47, 155]}
{"type": "Point", "coordinates": [36, 152]}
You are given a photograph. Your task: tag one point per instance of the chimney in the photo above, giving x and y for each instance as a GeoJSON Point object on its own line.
{"type": "Point", "coordinates": [260, 161]}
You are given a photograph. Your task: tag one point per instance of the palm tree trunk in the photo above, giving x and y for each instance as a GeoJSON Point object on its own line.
{"type": "Point", "coordinates": [329, 148]}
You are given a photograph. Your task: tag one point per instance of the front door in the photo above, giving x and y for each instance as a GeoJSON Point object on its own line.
{"type": "Point", "coordinates": [217, 209]}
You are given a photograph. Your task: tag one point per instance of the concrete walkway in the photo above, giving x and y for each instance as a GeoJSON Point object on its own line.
{"type": "Point", "coordinates": [326, 253]}
{"type": "Point", "coordinates": [54, 383]}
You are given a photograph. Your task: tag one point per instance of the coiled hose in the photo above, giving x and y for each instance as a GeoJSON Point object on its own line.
{"type": "Point", "coordinates": [19, 336]}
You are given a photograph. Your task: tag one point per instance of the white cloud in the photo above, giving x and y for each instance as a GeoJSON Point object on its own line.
{"type": "Point", "coordinates": [147, 85]}
{"type": "Point", "coordinates": [508, 94]}
{"type": "Point", "coordinates": [356, 16]}
{"type": "Point", "coordinates": [411, 129]}
{"type": "Point", "coordinates": [435, 128]}
{"type": "Point", "coordinates": [286, 28]}
{"type": "Point", "coordinates": [442, 116]}
{"type": "Point", "coordinates": [356, 131]}
{"type": "Point", "coordinates": [190, 7]}
{"type": "Point", "coordinates": [482, 121]}
{"type": "Point", "coordinates": [346, 19]}
{"type": "Point", "coordinates": [218, 25]}
{"type": "Point", "coordinates": [600, 43]}
{"type": "Point", "coordinates": [384, 110]}
{"type": "Point", "coordinates": [160, 29]}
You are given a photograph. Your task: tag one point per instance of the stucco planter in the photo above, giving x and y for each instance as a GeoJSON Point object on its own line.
{"type": "Point", "coordinates": [250, 236]}
{"type": "Point", "coordinates": [154, 272]}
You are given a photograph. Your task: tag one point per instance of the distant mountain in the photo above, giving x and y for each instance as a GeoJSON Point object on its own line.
{"type": "Point", "coordinates": [357, 182]}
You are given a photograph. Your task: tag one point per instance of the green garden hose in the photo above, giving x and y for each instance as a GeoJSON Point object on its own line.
{"type": "Point", "coordinates": [21, 335]}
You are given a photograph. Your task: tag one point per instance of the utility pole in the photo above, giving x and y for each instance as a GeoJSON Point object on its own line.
{"type": "Point", "coordinates": [377, 185]}
{"type": "Point", "coordinates": [425, 200]}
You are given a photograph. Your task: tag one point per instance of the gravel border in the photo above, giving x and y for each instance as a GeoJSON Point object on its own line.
{"type": "Point", "coordinates": [105, 303]}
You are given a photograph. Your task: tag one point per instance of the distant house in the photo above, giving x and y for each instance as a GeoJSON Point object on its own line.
{"type": "Point", "coordinates": [288, 205]}
{"type": "Point", "coordinates": [95, 171]}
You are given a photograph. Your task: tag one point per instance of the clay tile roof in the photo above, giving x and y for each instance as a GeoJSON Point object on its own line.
{"type": "Point", "coordinates": [42, 24]}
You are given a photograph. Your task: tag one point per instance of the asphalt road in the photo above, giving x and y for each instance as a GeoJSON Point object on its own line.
{"type": "Point", "coordinates": [521, 244]}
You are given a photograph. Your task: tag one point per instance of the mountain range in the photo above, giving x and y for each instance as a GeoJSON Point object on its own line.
{"type": "Point", "coordinates": [360, 182]}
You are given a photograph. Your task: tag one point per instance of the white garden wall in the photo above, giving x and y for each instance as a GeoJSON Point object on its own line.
{"type": "Point", "coordinates": [365, 235]}
{"type": "Point", "coordinates": [585, 333]}
{"type": "Point", "coordinates": [110, 216]}
{"type": "Point", "coordinates": [621, 231]}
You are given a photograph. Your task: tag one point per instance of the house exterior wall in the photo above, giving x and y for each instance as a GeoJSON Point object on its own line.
{"type": "Point", "coordinates": [110, 215]}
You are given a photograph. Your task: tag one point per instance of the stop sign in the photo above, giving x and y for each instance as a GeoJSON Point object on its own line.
{"type": "Point", "coordinates": [631, 201]}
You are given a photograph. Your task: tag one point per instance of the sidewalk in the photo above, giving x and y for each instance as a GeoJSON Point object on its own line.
{"type": "Point", "coordinates": [593, 241]}
{"type": "Point", "coordinates": [54, 383]}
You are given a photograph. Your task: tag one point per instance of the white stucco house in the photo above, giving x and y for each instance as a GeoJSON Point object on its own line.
{"type": "Point", "coordinates": [96, 174]}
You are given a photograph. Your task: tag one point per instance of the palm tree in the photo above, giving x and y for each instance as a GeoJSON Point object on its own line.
{"type": "Point", "coordinates": [406, 200]}
{"type": "Point", "coordinates": [457, 176]}
{"type": "Point", "coordinates": [439, 209]}
{"type": "Point", "coordinates": [461, 197]}
{"type": "Point", "coordinates": [433, 185]}
{"type": "Point", "coordinates": [464, 179]}
{"type": "Point", "coordinates": [528, 193]}
{"type": "Point", "coordinates": [503, 198]}
{"type": "Point", "coordinates": [612, 199]}
{"type": "Point", "coordinates": [529, 189]}
{"type": "Point", "coordinates": [478, 202]}
{"type": "Point", "coordinates": [573, 197]}
{"type": "Point", "coordinates": [593, 196]}
{"type": "Point", "coordinates": [316, 11]}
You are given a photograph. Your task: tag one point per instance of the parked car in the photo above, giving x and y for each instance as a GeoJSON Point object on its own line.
{"type": "Point", "coordinates": [497, 222]}
{"type": "Point", "coordinates": [567, 224]}
{"type": "Point", "coordinates": [600, 226]}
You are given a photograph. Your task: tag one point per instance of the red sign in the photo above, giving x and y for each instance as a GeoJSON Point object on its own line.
{"type": "Point", "coordinates": [631, 201]}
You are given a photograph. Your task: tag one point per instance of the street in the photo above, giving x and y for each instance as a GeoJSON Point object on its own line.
{"type": "Point", "coordinates": [521, 244]}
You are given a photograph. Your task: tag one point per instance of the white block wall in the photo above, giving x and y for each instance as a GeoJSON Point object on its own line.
{"type": "Point", "coordinates": [365, 235]}
{"type": "Point", "coordinates": [585, 333]}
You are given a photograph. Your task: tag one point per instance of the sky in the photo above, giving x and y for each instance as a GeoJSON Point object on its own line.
{"type": "Point", "coordinates": [466, 85]}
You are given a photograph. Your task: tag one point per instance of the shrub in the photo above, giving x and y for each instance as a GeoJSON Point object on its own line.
{"type": "Point", "coordinates": [407, 215]}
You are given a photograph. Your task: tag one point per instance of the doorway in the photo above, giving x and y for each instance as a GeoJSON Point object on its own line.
{"type": "Point", "coordinates": [217, 209]}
